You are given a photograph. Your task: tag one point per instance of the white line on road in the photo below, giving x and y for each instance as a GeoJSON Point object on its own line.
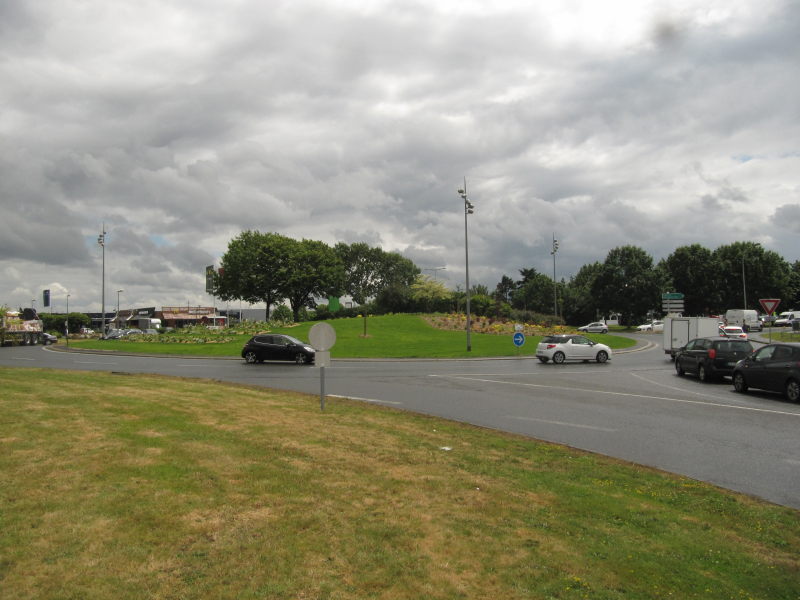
{"type": "Point", "coordinates": [17, 358]}
{"type": "Point", "coordinates": [563, 423]}
{"type": "Point", "coordinates": [363, 399]}
{"type": "Point", "coordinates": [626, 394]}
{"type": "Point", "coordinates": [93, 362]}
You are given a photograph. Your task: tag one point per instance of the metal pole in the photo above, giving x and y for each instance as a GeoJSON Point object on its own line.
{"type": "Point", "coordinates": [744, 288]}
{"type": "Point", "coordinates": [468, 209]}
{"type": "Point", "coordinates": [322, 389]}
{"type": "Point", "coordinates": [66, 324]}
{"type": "Point", "coordinates": [555, 289]}
{"type": "Point", "coordinates": [102, 241]}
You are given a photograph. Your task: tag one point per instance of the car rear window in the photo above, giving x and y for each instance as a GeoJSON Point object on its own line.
{"type": "Point", "coordinates": [733, 346]}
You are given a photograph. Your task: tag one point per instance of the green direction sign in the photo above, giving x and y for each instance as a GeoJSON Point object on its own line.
{"type": "Point", "coordinates": [672, 296]}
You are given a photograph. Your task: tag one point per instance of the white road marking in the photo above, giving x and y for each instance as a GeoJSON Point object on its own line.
{"type": "Point", "coordinates": [17, 358]}
{"type": "Point", "coordinates": [363, 399]}
{"type": "Point", "coordinates": [93, 362]}
{"type": "Point", "coordinates": [626, 394]}
{"type": "Point", "coordinates": [563, 423]}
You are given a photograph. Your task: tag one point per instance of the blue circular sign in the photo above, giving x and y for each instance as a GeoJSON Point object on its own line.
{"type": "Point", "coordinates": [519, 339]}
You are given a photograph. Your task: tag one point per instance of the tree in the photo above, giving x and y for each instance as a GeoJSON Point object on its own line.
{"type": "Point", "coordinates": [580, 306]}
{"type": "Point", "coordinates": [694, 271]}
{"type": "Point", "coordinates": [504, 289]}
{"type": "Point", "coordinates": [254, 268]}
{"type": "Point", "coordinates": [311, 269]}
{"type": "Point", "coordinates": [746, 268]}
{"type": "Point", "coordinates": [534, 292]}
{"type": "Point", "coordinates": [627, 283]}
{"type": "Point", "coordinates": [430, 294]}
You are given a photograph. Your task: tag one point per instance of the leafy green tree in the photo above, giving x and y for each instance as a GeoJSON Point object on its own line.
{"type": "Point", "coordinates": [694, 271]}
{"type": "Point", "coordinates": [254, 268]}
{"type": "Point", "coordinates": [627, 283]}
{"type": "Point", "coordinates": [534, 292]}
{"type": "Point", "coordinates": [429, 294]}
{"type": "Point", "coordinates": [746, 268]}
{"type": "Point", "coordinates": [311, 269]}
{"type": "Point", "coordinates": [580, 306]}
{"type": "Point", "coordinates": [504, 289]}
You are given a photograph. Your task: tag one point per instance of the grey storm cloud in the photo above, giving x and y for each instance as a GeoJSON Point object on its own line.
{"type": "Point", "coordinates": [178, 125]}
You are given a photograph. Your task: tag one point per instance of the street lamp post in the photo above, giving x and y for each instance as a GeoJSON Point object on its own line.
{"type": "Point", "coordinates": [468, 210]}
{"type": "Point", "coordinates": [555, 289]}
{"type": "Point", "coordinates": [118, 320]}
{"type": "Point", "coordinates": [101, 239]}
{"type": "Point", "coordinates": [66, 324]}
{"type": "Point", "coordinates": [435, 269]}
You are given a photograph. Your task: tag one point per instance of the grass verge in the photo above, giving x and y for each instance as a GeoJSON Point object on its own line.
{"type": "Point", "coordinates": [122, 486]}
{"type": "Point", "coordinates": [388, 336]}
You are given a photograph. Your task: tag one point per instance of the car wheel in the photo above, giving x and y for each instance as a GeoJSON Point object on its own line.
{"type": "Point", "coordinates": [604, 331]}
{"type": "Point", "coordinates": [679, 368]}
{"type": "Point", "coordinates": [702, 374]}
{"type": "Point", "coordinates": [602, 356]}
{"type": "Point", "coordinates": [250, 357]}
{"type": "Point", "coordinates": [793, 391]}
{"type": "Point", "coordinates": [559, 358]}
{"type": "Point", "coordinates": [739, 384]}
{"type": "Point", "coordinates": [300, 358]}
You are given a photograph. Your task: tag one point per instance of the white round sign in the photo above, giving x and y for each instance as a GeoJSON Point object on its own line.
{"type": "Point", "coordinates": [322, 336]}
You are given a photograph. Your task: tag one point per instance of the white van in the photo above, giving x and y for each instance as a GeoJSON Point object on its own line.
{"type": "Point", "coordinates": [785, 318]}
{"type": "Point", "coordinates": [746, 319]}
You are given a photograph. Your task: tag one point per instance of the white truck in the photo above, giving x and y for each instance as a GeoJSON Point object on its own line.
{"type": "Point", "coordinates": [23, 328]}
{"type": "Point", "coordinates": [744, 318]}
{"type": "Point", "coordinates": [679, 330]}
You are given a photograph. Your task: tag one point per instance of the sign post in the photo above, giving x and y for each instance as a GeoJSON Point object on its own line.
{"type": "Point", "coordinates": [322, 336]}
{"type": "Point", "coordinates": [770, 305]}
{"type": "Point", "coordinates": [672, 302]}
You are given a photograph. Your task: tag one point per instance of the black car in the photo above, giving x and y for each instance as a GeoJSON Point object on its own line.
{"type": "Point", "coordinates": [277, 347]}
{"type": "Point", "coordinates": [711, 357]}
{"type": "Point", "coordinates": [775, 367]}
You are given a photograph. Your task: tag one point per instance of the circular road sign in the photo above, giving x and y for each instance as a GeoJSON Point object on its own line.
{"type": "Point", "coordinates": [519, 339]}
{"type": "Point", "coordinates": [322, 336]}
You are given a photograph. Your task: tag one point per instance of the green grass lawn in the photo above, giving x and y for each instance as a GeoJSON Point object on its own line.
{"type": "Point", "coordinates": [127, 487]}
{"type": "Point", "coordinates": [389, 336]}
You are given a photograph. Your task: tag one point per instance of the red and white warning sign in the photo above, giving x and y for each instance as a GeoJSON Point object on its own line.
{"type": "Point", "coordinates": [770, 305]}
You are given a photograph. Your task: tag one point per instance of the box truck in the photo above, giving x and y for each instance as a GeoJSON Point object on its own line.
{"type": "Point", "coordinates": [679, 330]}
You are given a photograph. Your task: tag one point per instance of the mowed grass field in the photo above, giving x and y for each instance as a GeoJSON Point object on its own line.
{"type": "Point", "coordinates": [128, 487]}
{"type": "Point", "coordinates": [388, 336]}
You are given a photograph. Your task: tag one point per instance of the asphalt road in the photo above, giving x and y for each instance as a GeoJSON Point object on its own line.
{"type": "Point", "coordinates": [634, 408]}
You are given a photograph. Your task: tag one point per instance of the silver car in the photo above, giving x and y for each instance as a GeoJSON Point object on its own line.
{"type": "Point", "coordinates": [596, 327]}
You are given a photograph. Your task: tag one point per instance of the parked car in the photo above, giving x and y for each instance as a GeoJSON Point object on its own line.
{"type": "Point", "coordinates": [114, 334]}
{"type": "Point", "coordinates": [732, 331]}
{"type": "Point", "coordinates": [775, 367]}
{"type": "Point", "coordinates": [711, 357]}
{"type": "Point", "coordinates": [48, 338]}
{"type": "Point", "coordinates": [597, 327]}
{"type": "Point", "coordinates": [277, 347]}
{"type": "Point", "coordinates": [560, 348]}
{"type": "Point", "coordinates": [654, 326]}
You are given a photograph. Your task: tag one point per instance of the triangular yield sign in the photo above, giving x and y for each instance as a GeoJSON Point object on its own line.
{"type": "Point", "coordinates": [769, 305]}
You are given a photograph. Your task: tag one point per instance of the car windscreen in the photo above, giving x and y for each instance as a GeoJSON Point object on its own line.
{"type": "Point", "coordinates": [555, 339]}
{"type": "Point", "coordinates": [294, 340]}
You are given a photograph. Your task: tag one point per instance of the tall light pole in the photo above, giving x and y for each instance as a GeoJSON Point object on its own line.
{"type": "Point", "coordinates": [744, 288]}
{"type": "Point", "coordinates": [468, 210]}
{"type": "Point", "coordinates": [555, 290]}
{"type": "Point", "coordinates": [118, 321]}
{"type": "Point", "coordinates": [66, 324]}
{"type": "Point", "coordinates": [101, 239]}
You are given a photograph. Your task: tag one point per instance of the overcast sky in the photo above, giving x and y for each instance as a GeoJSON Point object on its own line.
{"type": "Point", "coordinates": [179, 124]}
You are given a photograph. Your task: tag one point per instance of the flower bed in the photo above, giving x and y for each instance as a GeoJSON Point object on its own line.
{"type": "Point", "coordinates": [491, 325]}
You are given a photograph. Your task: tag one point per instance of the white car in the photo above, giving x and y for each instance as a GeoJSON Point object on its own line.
{"type": "Point", "coordinates": [597, 327]}
{"type": "Point", "coordinates": [560, 348]}
{"type": "Point", "coordinates": [654, 326]}
{"type": "Point", "coordinates": [732, 331]}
